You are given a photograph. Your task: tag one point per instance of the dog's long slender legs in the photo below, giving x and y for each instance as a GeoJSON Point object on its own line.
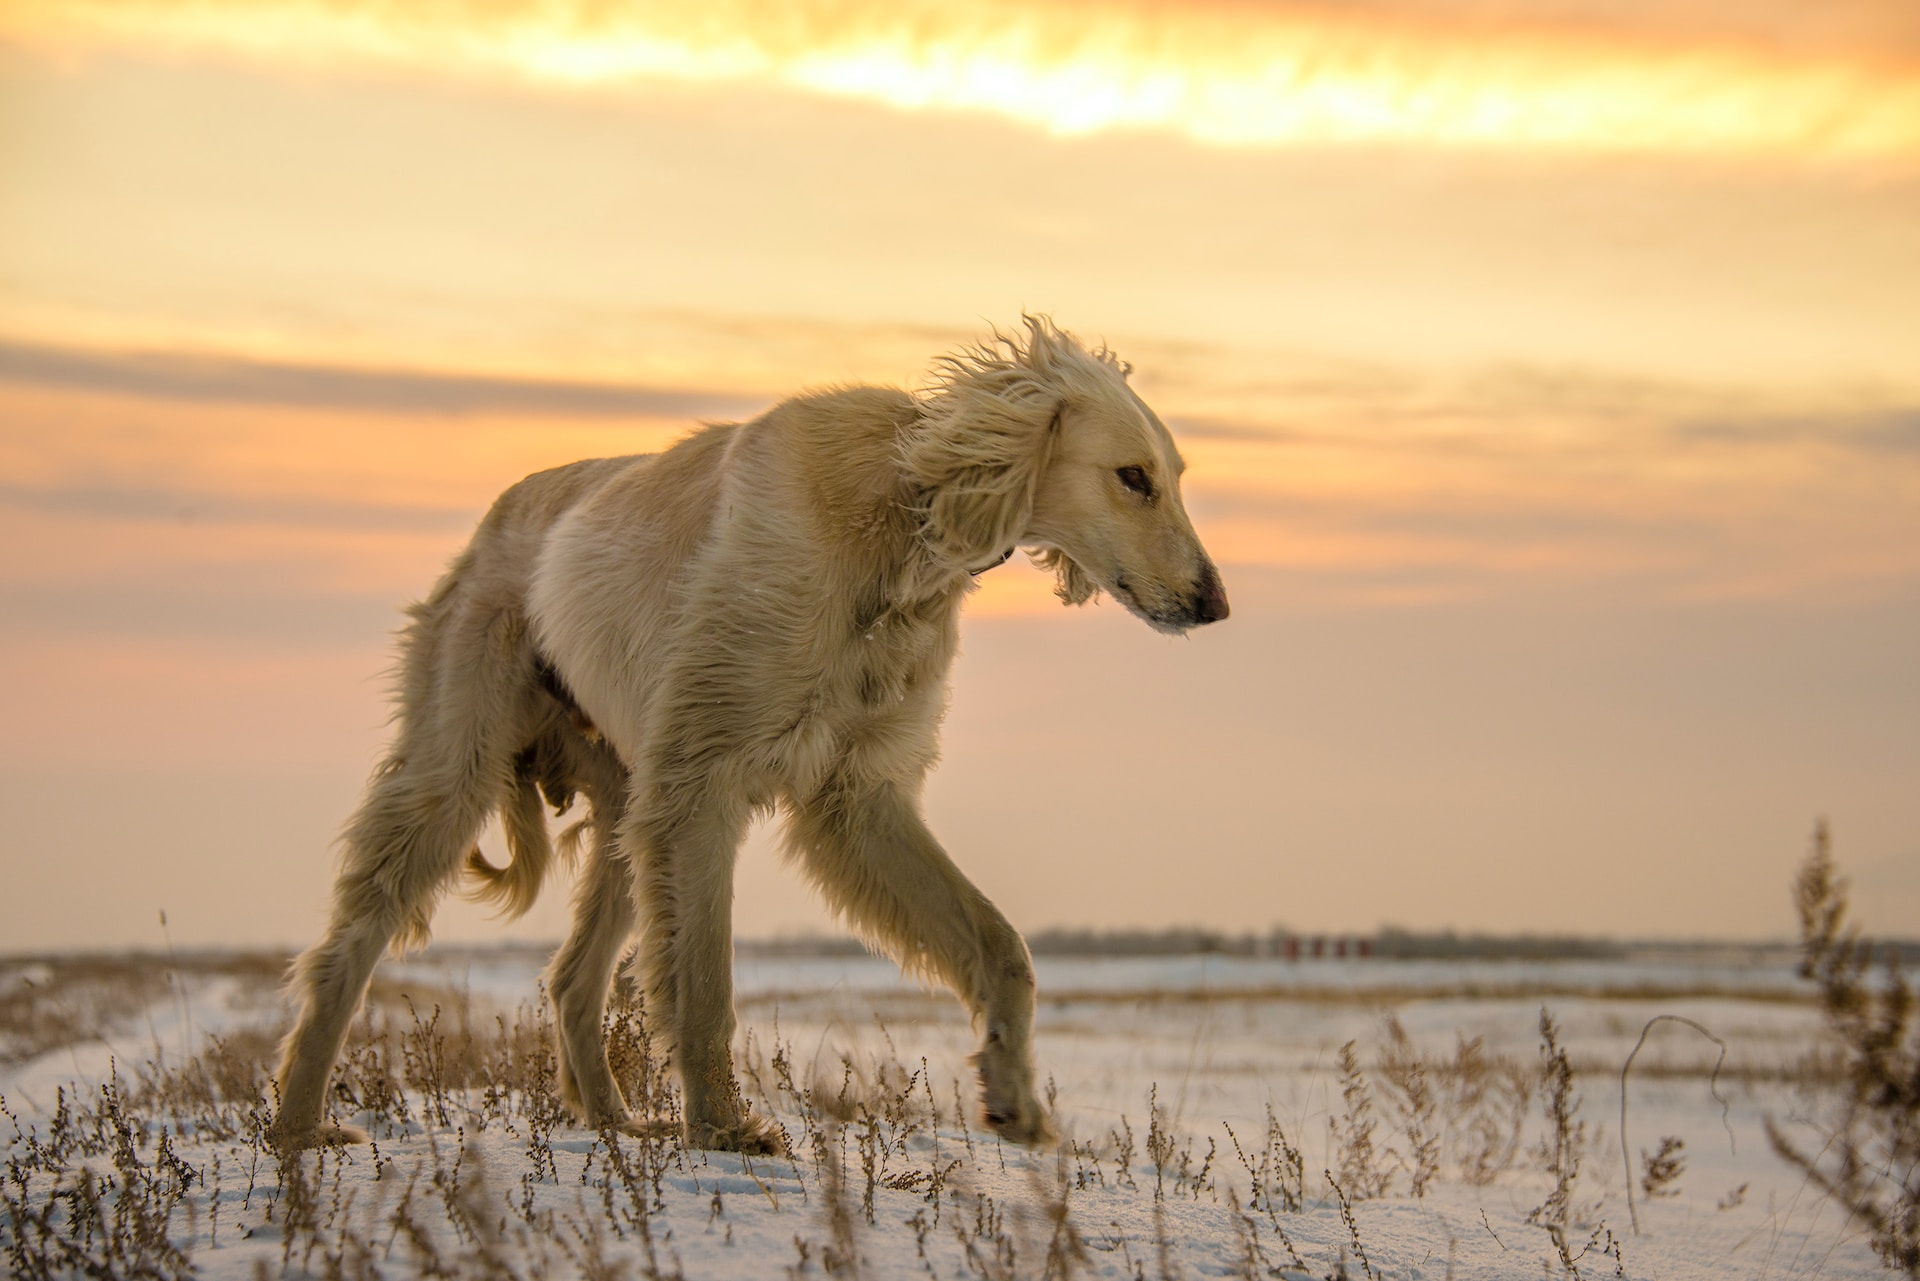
{"type": "Point", "coordinates": [330, 979]}
{"type": "Point", "coordinates": [686, 855]}
{"type": "Point", "coordinates": [403, 844]}
{"type": "Point", "coordinates": [874, 859]}
{"type": "Point", "coordinates": [466, 692]}
{"type": "Point", "coordinates": [603, 917]}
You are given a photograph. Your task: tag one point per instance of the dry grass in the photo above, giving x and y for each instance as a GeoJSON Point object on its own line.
{"type": "Point", "coordinates": [52, 1002]}
{"type": "Point", "coordinates": [100, 1187]}
{"type": "Point", "coordinates": [168, 1159]}
{"type": "Point", "coordinates": [1870, 1161]}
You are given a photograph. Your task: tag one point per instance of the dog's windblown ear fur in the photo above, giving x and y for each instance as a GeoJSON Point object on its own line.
{"type": "Point", "coordinates": [974, 459]}
{"type": "Point", "coordinates": [1070, 582]}
{"type": "Point", "coordinates": [985, 434]}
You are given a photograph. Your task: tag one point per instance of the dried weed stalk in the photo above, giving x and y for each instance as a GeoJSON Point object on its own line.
{"type": "Point", "coordinates": [1363, 1170]}
{"type": "Point", "coordinates": [1870, 1162]}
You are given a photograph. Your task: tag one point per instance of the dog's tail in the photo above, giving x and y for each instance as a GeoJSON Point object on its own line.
{"type": "Point", "coordinates": [514, 888]}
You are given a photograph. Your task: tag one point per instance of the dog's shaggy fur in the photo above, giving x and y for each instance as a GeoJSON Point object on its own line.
{"type": "Point", "coordinates": [761, 617]}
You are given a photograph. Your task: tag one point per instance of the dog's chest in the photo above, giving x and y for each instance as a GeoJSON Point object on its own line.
{"type": "Point", "coordinates": [875, 702]}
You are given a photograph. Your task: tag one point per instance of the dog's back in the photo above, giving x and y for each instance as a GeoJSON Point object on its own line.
{"type": "Point", "coordinates": [764, 548]}
{"type": "Point", "coordinates": [754, 571]}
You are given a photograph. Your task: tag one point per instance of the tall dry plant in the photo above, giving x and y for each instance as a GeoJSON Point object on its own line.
{"type": "Point", "coordinates": [1487, 1103]}
{"type": "Point", "coordinates": [1363, 1170]}
{"type": "Point", "coordinates": [1871, 1161]}
{"type": "Point", "coordinates": [1565, 1144]}
{"type": "Point", "coordinates": [1413, 1093]}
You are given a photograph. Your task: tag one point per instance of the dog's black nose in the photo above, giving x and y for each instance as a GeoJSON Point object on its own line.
{"type": "Point", "coordinates": [1209, 597]}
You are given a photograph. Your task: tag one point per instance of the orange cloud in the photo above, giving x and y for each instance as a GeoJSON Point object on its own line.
{"type": "Point", "coordinates": [1226, 74]}
{"type": "Point", "coordinates": [127, 511]}
{"type": "Point", "coordinates": [114, 494]}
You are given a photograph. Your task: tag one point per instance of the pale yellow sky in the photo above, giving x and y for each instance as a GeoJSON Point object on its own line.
{"type": "Point", "coordinates": [1547, 371]}
{"type": "Point", "coordinates": [1689, 78]}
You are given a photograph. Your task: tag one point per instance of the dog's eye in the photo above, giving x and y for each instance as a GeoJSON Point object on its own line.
{"type": "Point", "coordinates": [1136, 479]}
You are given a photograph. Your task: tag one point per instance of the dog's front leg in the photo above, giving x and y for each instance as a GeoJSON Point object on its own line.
{"type": "Point", "coordinates": [685, 855]}
{"type": "Point", "coordinates": [871, 854]}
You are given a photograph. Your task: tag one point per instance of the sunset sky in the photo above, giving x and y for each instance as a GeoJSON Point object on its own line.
{"type": "Point", "coordinates": [1549, 374]}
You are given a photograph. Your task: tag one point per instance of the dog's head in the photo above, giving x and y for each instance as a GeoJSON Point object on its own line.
{"type": "Point", "coordinates": [1034, 441]}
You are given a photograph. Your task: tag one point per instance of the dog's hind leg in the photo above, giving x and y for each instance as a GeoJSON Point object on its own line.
{"type": "Point", "coordinates": [603, 920]}
{"type": "Point", "coordinates": [875, 862]}
{"type": "Point", "coordinates": [466, 693]}
{"type": "Point", "coordinates": [403, 844]}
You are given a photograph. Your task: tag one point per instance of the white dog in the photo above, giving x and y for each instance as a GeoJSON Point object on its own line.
{"type": "Point", "coordinates": [761, 617]}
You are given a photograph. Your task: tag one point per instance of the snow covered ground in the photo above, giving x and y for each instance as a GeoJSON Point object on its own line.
{"type": "Point", "coordinates": [1202, 1104]}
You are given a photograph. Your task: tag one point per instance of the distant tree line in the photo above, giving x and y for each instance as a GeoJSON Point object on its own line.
{"type": "Point", "coordinates": [1388, 943]}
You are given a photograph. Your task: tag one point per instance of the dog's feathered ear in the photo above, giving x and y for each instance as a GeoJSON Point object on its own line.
{"type": "Point", "coordinates": [1070, 582]}
{"type": "Point", "coordinates": [973, 459]}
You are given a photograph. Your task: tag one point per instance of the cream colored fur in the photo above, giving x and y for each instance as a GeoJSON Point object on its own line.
{"type": "Point", "coordinates": [762, 617]}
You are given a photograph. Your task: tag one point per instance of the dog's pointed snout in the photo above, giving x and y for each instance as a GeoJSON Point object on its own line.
{"type": "Point", "coordinates": [1210, 597]}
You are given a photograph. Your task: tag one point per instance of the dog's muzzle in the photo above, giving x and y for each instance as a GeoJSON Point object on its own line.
{"type": "Point", "coordinates": [1209, 598]}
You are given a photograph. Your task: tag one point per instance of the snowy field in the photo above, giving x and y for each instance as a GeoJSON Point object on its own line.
{"type": "Point", "coordinates": [1210, 1124]}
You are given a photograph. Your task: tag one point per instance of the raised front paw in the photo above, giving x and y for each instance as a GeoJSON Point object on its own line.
{"type": "Point", "coordinates": [1007, 1104]}
{"type": "Point", "coordinates": [1019, 1120]}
